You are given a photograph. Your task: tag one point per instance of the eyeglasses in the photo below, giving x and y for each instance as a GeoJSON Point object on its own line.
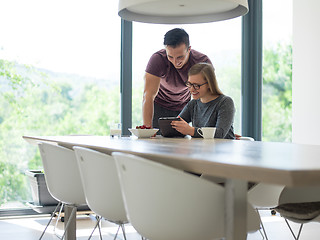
{"type": "Point", "coordinates": [195, 86]}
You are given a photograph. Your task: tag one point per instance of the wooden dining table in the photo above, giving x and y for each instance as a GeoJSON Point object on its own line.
{"type": "Point", "coordinates": [237, 161]}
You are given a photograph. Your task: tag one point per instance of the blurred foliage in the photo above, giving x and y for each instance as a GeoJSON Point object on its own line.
{"type": "Point", "coordinates": [277, 94]}
{"type": "Point", "coordinates": [33, 102]}
{"type": "Point", "coordinates": [229, 79]}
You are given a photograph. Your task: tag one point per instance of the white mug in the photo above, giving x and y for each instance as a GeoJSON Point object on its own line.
{"type": "Point", "coordinates": [207, 132]}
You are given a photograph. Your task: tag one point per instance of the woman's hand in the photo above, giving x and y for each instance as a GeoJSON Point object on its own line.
{"type": "Point", "coordinates": [183, 127]}
{"type": "Point", "coordinates": [237, 136]}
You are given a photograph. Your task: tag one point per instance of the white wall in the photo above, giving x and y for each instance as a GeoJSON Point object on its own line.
{"type": "Point", "coordinates": [306, 72]}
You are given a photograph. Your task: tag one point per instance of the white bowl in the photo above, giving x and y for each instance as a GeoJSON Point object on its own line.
{"type": "Point", "coordinates": [143, 133]}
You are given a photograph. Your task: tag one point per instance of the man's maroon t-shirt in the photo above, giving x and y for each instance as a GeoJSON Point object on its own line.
{"type": "Point", "coordinates": [173, 93]}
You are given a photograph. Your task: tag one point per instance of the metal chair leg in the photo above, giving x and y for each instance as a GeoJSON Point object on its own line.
{"type": "Point", "coordinates": [55, 226]}
{"type": "Point", "coordinates": [52, 215]}
{"type": "Point", "coordinates": [262, 235]}
{"type": "Point", "coordinates": [123, 231]}
{"type": "Point", "coordinates": [300, 229]}
{"type": "Point", "coordinates": [117, 233]}
{"type": "Point", "coordinates": [264, 230]}
{"type": "Point", "coordinates": [97, 225]}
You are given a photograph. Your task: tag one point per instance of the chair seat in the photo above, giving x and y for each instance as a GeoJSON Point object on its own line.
{"type": "Point", "coordinates": [299, 212]}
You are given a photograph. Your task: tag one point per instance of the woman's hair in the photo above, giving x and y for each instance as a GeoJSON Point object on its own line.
{"type": "Point", "coordinates": [207, 71]}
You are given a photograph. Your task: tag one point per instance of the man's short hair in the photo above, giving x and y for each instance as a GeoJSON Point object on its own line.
{"type": "Point", "coordinates": [175, 37]}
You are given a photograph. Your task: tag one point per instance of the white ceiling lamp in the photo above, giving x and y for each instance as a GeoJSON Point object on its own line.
{"type": "Point", "coordinates": [181, 11]}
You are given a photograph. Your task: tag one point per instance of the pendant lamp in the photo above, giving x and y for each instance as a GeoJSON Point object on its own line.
{"type": "Point", "coordinates": [181, 11]}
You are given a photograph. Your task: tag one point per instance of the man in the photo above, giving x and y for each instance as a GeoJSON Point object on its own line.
{"type": "Point", "coordinates": [165, 92]}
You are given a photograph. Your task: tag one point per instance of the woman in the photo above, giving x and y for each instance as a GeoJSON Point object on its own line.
{"type": "Point", "coordinates": [209, 107]}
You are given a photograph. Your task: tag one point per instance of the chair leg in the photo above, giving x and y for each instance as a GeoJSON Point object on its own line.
{"type": "Point", "coordinates": [74, 210]}
{"type": "Point", "coordinates": [117, 232]}
{"type": "Point", "coordinates": [262, 235]}
{"type": "Point", "coordinates": [300, 229]}
{"type": "Point", "coordinates": [264, 230]}
{"type": "Point", "coordinates": [56, 224]}
{"type": "Point", "coordinates": [123, 231]}
{"type": "Point", "coordinates": [53, 213]}
{"type": "Point", "coordinates": [97, 225]}
{"type": "Point", "coordinates": [262, 226]}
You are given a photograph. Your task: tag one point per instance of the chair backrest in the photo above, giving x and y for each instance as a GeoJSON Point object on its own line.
{"type": "Point", "coordinates": [101, 184]}
{"type": "Point", "coordinates": [62, 174]}
{"type": "Point", "coordinates": [264, 195]}
{"type": "Point", "coordinates": [300, 194]}
{"type": "Point", "coordinates": [167, 203]}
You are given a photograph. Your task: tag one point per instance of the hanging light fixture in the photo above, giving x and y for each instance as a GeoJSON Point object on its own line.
{"type": "Point", "coordinates": [181, 11]}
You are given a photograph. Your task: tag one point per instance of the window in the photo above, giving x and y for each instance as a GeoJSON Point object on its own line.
{"type": "Point", "coordinates": [277, 70]}
{"type": "Point", "coordinates": [59, 75]}
{"type": "Point", "coordinates": [220, 41]}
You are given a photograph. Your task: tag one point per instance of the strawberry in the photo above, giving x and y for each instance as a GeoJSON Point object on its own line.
{"type": "Point", "coordinates": [143, 127]}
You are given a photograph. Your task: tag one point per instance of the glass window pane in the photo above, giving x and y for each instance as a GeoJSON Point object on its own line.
{"type": "Point", "coordinates": [220, 41]}
{"type": "Point", "coordinates": [59, 75]}
{"type": "Point", "coordinates": [277, 70]}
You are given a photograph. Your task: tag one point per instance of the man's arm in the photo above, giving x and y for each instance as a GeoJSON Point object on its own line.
{"type": "Point", "coordinates": [151, 88]}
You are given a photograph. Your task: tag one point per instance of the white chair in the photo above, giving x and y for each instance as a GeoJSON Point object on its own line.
{"type": "Point", "coordinates": [264, 196]}
{"type": "Point", "coordinates": [246, 138]}
{"type": "Point", "coordinates": [62, 178]}
{"type": "Point", "coordinates": [101, 186]}
{"type": "Point", "coordinates": [166, 203]}
{"type": "Point", "coordinates": [286, 201]}
{"type": "Point", "coordinates": [300, 205]}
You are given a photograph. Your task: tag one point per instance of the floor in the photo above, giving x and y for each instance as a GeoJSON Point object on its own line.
{"type": "Point", "coordinates": [30, 228]}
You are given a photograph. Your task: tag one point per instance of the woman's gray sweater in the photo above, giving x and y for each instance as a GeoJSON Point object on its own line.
{"type": "Point", "coordinates": [217, 113]}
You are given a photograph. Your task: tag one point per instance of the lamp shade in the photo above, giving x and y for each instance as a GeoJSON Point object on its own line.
{"type": "Point", "coordinates": [181, 11]}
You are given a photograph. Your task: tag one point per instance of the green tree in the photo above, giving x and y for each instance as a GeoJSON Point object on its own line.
{"type": "Point", "coordinates": [36, 103]}
{"type": "Point", "coordinates": [13, 87]}
{"type": "Point", "coordinates": [277, 93]}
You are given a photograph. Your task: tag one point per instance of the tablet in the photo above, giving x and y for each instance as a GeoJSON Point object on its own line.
{"type": "Point", "coordinates": [166, 129]}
